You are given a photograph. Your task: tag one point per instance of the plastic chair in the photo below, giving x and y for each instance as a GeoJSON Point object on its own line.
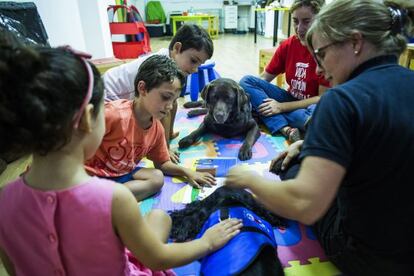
{"type": "Point", "coordinates": [203, 76]}
{"type": "Point", "coordinates": [213, 26]}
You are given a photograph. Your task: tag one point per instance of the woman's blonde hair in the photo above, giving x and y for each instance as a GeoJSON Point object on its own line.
{"type": "Point", "coordinates": [315, 5]}
{"type": "Point", "coordinates": [384, 25]}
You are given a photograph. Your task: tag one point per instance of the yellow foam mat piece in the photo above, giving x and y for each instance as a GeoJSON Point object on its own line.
{"type": "Point", "coordinates": [315, 268]}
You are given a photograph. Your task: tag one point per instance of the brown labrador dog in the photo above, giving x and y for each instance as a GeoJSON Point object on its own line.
{"type": "Point", "coordinates": [229, 114]}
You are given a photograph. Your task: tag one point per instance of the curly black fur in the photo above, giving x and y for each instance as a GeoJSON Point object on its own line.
{"type": "Point", "coordinates": [188, 222]}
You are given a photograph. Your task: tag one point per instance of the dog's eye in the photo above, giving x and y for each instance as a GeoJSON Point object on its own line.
{"type": "Point", "coordinates": [225, 97]}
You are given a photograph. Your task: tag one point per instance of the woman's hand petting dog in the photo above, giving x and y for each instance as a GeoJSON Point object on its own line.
{"type": "Point", "coordinates": [200, 179]}
{"type": "Point", "coordinates": [281, 162]}
{"type": "Point", "coordinates": [240, 177]}
{"type": "Point", "coordinates": [221, 233]}
{"type": "Point", "coordinates": [270, 107]}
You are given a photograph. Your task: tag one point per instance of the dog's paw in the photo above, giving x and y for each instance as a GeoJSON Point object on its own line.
{"type": "Point", "coordinates": [185, 142]}
{"type": "Point", "coordinates": [245, 153]}
{"type": "Point", "coordinates": [193, 104]}
{"type": "Point", "coordinates": [197, 112]}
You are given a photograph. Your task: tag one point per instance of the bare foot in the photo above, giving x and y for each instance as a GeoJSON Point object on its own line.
{"type": "Point", "coordinates": [292, 134]}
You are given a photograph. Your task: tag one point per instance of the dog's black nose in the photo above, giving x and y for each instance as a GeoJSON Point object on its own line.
{"type": "Point", "coordinates": [220, 117]}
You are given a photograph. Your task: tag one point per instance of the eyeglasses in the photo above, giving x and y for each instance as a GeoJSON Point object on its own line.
{"type": "Point", "coordinates": [319, 54]}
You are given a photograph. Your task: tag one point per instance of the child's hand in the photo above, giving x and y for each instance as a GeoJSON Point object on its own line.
{"type": "Point", "coordinates": [221, 233]}
{"type": "Point", "coordinates": [174, 156]}
{"type": "Point", "coordinates": [270, 107]}
{"type": "Point", "coordinates": [201, 179]}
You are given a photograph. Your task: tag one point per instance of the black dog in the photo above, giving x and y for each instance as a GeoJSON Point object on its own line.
{"type": "Point", "coordinates": [229, 114]}
{"type": "Point", "coordinates": [188, 222]}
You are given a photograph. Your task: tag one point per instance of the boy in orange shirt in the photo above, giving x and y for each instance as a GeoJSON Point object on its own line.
{"type": "Point", "coordinates": [133, 131]}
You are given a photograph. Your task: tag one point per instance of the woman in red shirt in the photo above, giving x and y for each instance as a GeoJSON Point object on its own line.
{"type": "Point", "coordinates": [287, 110]}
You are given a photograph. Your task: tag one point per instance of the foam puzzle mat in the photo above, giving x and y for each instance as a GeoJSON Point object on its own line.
{"type": "Point", "coordinates": [298, 249]}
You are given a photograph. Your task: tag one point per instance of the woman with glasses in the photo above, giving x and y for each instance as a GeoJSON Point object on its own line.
{"type": "Point", "coordinates": [281, 110]}
{"type": "Point", "coordinates": [356, 173]}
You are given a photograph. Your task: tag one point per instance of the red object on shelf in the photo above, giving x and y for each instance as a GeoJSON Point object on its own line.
{"type": "Point", "coordinates": [138, 40]}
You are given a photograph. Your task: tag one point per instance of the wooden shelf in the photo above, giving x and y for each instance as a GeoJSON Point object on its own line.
{"type": "Point", "coordinates": [265, 55]}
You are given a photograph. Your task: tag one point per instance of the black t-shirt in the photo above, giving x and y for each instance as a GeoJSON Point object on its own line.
{"type": "Point", "coordinates": [366, 125]}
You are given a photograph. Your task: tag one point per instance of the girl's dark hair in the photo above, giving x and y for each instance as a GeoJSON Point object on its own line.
{"type": "Point", "coordinates": [193, 37]}
{"type": "Point", "coordinates": [41, 89]}
{"type": "Point", "coordinates": [157, 69]}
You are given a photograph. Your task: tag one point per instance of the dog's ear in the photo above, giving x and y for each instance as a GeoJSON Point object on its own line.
{"type": "Point", "coordinates": [247, 100]}
{"type": "Point", "coordinates": [242, 97]}
{"type": "Point", "coordinates": [205, 91]}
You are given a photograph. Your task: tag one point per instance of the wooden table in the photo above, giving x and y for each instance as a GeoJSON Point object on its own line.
{"type": "Point", "coordinates": [212, 22]}
{"type": "Point", "coordinates": [275, 22]}
{"type": "Point", "coordinates": [104, 64]}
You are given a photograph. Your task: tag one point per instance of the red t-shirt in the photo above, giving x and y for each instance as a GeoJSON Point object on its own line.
{"type": "Point", "coordinates": [295, 60]}
{"type": "Point", "coordinates": [125, 143]}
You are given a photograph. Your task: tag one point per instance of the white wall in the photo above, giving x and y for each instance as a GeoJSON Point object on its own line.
{"type": "Point", "coordinates": [62, 22]}
{"type": "Point", "coordinates": [83, 24]}
{"type": "Point", "coordinates": [94, 21]}
{"type": "Point", "coordinates": [140, 5]}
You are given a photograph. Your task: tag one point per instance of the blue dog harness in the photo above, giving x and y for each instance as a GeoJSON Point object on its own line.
{"type": "Point", "coordinates": [243, 249]}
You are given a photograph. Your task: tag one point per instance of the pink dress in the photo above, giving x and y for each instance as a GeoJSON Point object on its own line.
{"type": "Point", "coordinates": [64, 232]}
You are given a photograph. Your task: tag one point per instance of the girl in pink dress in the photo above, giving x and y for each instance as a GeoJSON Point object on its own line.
{"type": "Point", "coordinates": [56, 219]}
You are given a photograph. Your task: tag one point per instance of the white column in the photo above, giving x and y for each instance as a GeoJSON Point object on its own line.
{"type": "Point", "coordinates": [83, 24]}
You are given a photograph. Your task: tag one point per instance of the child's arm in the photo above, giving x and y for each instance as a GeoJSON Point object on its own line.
{"type": "Point", "coordinates": [195, 179]}
{"type": "Point", "coordinates": [142, 242]}
{"type": "Point", "coordinates": [8, 265]}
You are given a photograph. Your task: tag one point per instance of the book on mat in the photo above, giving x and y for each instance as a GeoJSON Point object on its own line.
{"type": "Point", "coordinates": [217, 166]}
